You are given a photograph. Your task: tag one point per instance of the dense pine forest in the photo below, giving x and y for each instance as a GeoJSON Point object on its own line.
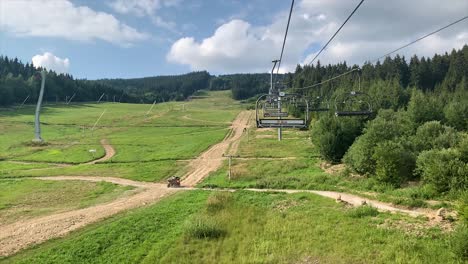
{"type": "Point", "coordinates": [161, 88]}
{"type": "Point", "coordinates": [244, 86]}
{"type": "Point", "coordinates": [20, 83]}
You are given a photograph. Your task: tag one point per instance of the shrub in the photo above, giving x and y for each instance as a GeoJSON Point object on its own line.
{"type": "Point", "coordinates": [433, 134]}
{"type": "Point", "coordinates": [218, 201]}
{"type": "Point", "coordinates": [463, 147]}
{"type": "Point", "coordinates": [459, 241]}
{"type": "Point", "coordinates": [334, 136]}
{"type": "Point", "coordinates": [423, 108]}
{"type": "Point", "coordinates": [387, 126]}
{"type": "Point", "coordinates": [363, 211]}
{"type": "Point", "coordinates": [462, 207]}
{"type": "Point", "coordinates": [456, 114]}
{"type": "Point", "coordinates": [204, 227]}
{"type": "Point", "coordinates": [443, 169]}
{"type": "Point", "coordinates": [394, 164]}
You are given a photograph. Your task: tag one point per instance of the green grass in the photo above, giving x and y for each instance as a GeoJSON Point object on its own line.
{"type": "Point", "coordinates": [275, 174]}
{"type": "Point", "coordinates": [303, 170]}
{"type": "Point", "coordinates": [26, 198]}
{"type": "Point", "coordinates": [248, 227]}
{"type": "Point", "coordinates": [149, 146]}
{"type": "Point", "coordinates": [141, 171]}
{"type": "Point", "coordinates": [140, 236]}
{"type": "Point", "coordinates": [152, 143]}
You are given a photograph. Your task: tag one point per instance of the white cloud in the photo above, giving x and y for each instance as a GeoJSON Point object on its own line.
{"type": "Point", "coordinates": [147, 8]}
{"type": "Point", "coordinates": [62, 19]}
{"type": "Point", "coordinates": [377, 27]}
{"type": "Point", "coordinates": [51, 62]}
{"type": "Point", "coordinates": [141, 7]}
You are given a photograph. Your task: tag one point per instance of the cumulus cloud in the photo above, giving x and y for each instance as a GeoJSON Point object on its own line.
{"type": "Point", "coordinates": [378, 27]}
{"type": "Point", "coordinates": [62, 19]}
{"type": "Point", "coordinates": [51, 62]}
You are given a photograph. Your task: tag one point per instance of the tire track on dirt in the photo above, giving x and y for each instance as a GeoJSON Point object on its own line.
{"type": "Point", "coordinates": [212, 159]}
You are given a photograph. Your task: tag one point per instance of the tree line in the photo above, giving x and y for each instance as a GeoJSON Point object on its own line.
{"type": "Point", "coordinates": [161, 88]}
{"type": "Point", "coordinates": [244, 86]}
{"type": "Point", "coordinates": [20, 83]}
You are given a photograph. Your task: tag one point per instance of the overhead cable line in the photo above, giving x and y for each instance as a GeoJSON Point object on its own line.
{"type": "Point", "coordinates": [389, 53]}
{"type": "Point", "coordinates": [325, 46]}
{"type": "Point", "coordinates": [286, 36]}
{"type": "Point", "coordinates": [328, 80]}
{"type": "Point", "coordinates": [284, 41]}
{"type": "Point", "coordinates": [423, 37]}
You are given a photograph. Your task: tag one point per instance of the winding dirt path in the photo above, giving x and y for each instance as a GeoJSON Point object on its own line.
{"type": "Point", "coordinates": [110, 152]}
{"type": "Point", "coordinates": [19, 235]}
{"type": "Point", "coordinates": [355, 200]}
{"type": "Point", "coordinates": [212, 159]}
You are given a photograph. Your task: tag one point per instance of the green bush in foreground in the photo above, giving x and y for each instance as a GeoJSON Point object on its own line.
{"type": "Point", "coordinates": [394, 163]}
{"type": "Point", "coordinates": [218, 201]}
{"type": "Point", "coordinates": [443, 169]}
{"type": "Point", "coordinates": [459, 241]}
{"type": "Point", "coordinates": [462, 207]}
{"type": "Point", "coordinates": [334, 136]}
{"type": "Point", "coordinates": [363, 211]}
{"type": "Point", "coordinates": [203, 227]}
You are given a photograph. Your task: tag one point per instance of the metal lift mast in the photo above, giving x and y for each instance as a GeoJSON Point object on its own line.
{"type": "Point", "coordinates": [37, 123]}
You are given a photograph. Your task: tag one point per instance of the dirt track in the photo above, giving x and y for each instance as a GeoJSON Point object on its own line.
{"type": "Point", "coordinates": [210, 160]}
{"type": "Point", "coordinates": [110, 152]}
{"type": "Point", "coordinates": [19, 235]}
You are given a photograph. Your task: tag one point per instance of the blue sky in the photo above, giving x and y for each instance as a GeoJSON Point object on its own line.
{"type": "Point", "coordinates": [136, 38]}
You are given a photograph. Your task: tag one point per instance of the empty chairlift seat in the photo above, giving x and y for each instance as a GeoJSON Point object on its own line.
{"type": "Point", "coordinates": [354, 103]}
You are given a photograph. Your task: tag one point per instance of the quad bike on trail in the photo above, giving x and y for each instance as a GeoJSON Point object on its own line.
{"type": "Point", "coordinates": [173, 182]}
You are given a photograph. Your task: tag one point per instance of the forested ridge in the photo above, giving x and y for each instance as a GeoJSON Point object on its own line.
{"type": "Point", "coordinates": [21, 82]}
{"type": "Point", "coordinates": [161, 88]}
{"type": "Point", "coordinates": [244, 86]}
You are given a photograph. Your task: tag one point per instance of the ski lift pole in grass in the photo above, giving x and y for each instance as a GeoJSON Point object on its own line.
{"type": "Point", "coordinates": [230, 163]}
{"type": "Point", "coordinates": [24, 101]}
{"type": "Point", "coordinates": [151, 108]}
{"type": "Point", "coordinates": [100, 98]}
{"type": "Point", "coordinates": [93, 152]}
{"type": "Point", "coordinates": [97, 121]}
{"type": "Point", "coordinates": [71, 98]}
{"type": "Point", "coordinates": [37, 123]}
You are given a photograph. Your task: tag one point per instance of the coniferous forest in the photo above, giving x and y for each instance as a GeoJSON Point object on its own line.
{"type": "Point", "coordinates": [19, 81]}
